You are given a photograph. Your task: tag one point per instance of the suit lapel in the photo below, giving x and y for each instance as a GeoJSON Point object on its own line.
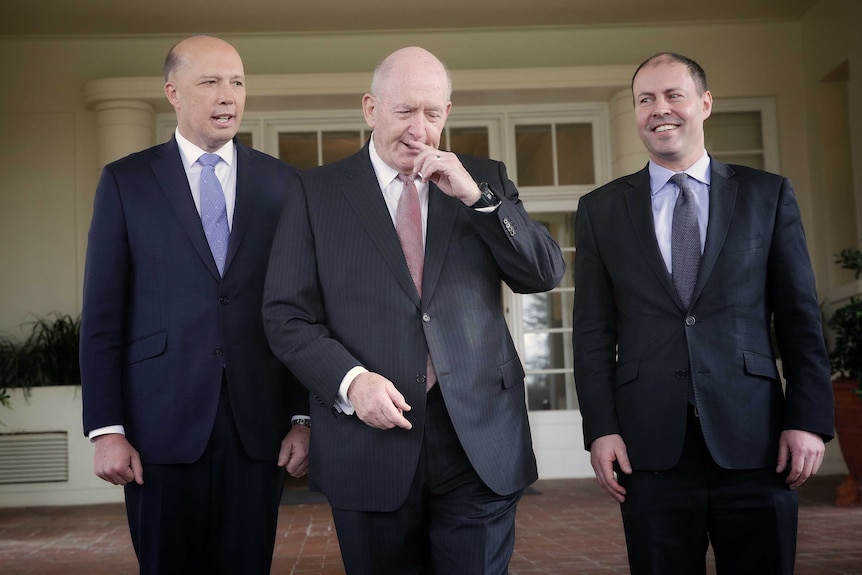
{"type": "Point", "coordinates": [362, 192]}
{"type": "Point", "coordinates": [442, 213]}
{"type": "Point", "coordinates": [247, 181]}
{"type": "Point", "coordinates": [722, 199]}
{"type": "Point", "coordinates": [639, 203]}
{"type": "Point", "coordinates": [171, 175]}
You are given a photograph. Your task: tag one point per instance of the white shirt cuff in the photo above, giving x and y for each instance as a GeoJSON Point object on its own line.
{"type": "Point", "coordinates": [106, 430]}
{"type": "Point", "coordinates": [341, 402]}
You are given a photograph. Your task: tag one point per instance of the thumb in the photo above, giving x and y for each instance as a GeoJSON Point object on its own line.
{"type": "Point", "coordinates": [783, 456]}
{"type": "Point", "coordinates": [623, 461]}
{"type": "Point", "coordinates": [137, 468]}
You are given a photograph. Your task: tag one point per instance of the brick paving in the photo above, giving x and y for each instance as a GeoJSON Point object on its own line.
{"type": "Point", "coordinates": [568, 527]}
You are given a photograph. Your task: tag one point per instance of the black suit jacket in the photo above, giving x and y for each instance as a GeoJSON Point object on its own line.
{"type": "Point", "coordinates": [636, 347]}
{"type": "Point", "coordinates": [339, 294]}
{"type": "Point", "coordinates": [159, 325]}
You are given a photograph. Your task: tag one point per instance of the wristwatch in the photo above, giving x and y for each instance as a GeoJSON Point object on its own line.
{"type": "Point", "coordinates": [488, 199]}
{"type": "Point", "coordinates": [306, 421]}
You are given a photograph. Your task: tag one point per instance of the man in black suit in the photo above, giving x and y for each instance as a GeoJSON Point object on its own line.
{"type": "Point", "coordinates": [421, 441]}
{"type": "Point", "coordinates": [186, 404]}
{"type": "Point", "coordinates": [677, 380]}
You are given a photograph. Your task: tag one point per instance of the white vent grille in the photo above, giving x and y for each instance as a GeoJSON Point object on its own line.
{"type": "Point", "coordinates": [34, 457]}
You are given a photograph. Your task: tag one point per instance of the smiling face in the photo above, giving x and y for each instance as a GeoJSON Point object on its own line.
{"type": "Point", "coordinates": [206, 86]}
{"type": "Point", "coordinates": [409, 102]}
{"type": "Point", "coordinates": [670, 113]}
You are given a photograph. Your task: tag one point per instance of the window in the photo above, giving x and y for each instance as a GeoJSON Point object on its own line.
{"type": "Point", "coordinates": [743, 132]}
{"type": "Point", "coordinates": [546, 327]}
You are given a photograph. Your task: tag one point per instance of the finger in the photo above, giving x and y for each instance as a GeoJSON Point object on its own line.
{"type": "Point", "coordinates": [429, 166]}
{"type": "Point", "coordinates": [400, 421]}
{"type": "Point", "coordinates": [399, 402]}
{"type": "Point", "coordinates": [614, 489]}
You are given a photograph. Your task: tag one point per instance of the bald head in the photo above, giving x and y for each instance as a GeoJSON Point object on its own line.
{"type": "Point", "coordinates": [410, 65]}
{"type": "Point", "coordinates": [178, 56]}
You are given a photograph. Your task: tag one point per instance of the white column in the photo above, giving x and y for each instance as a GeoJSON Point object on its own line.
{"type": "Point", "coordinates": [123, 127]}
{"type": "Point", "coordinates": [628, 154]}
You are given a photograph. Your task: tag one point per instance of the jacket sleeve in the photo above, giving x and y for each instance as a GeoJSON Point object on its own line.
{"type": "Point", "coordinates": [594, 334]}
{"type": "Point", "coordinates": [798, 323]}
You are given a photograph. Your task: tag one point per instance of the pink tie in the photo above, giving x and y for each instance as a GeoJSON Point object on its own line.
{"type": "Point", "coordinates": [408, 225]}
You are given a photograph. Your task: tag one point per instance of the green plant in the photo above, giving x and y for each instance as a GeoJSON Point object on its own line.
{"type": "Point", "coordinates": [48, 356]}
{"type": "Point", "coordinates": [846, 325]}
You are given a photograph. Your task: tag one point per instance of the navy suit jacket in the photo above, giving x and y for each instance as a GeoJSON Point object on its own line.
{"type": "Point", "coordinates": [159, 325]}
{"type": "Point", "coordinates": [636, 348]}
{"type": "Point", "coordinates": [339, 294]}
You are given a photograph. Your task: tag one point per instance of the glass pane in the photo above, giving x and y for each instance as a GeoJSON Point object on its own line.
{"type": "Point", "coordinates": [545, 350]}
{"type": "Point", "coordinates": [754, 160]}
{"type": "Point", "coordinates": [471, 141]}
{"type": "Point", "coordinates": [338, 145]}
{"type": "Point", "coordinates": [728, 131]}
{"type": "Point", "coordinates": [244, 138]}
{"type": "Point", "coordinates": [561, 225]}
{"type": "Point", "coordinates": [547, 310]}
{"type": "Point", "coordinates": [298, 149]}
{"type": "Point", "coordinates": [534, 155]}
{"type": "Point", "coordinates": [575, 154]}
{"type": "Point", "coordinates": [546, 391]}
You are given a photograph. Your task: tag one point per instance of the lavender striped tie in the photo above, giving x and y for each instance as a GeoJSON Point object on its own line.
{"type": "Point", "coordinates": [213, 210]}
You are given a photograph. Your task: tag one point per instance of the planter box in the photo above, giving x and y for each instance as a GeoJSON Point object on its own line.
{"type": "Point", "coordinates": [34, 434]}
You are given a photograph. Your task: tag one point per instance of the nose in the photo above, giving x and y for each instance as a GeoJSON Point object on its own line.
{"type": "Point", "coordinates": [661, 108]}
{"type": "Point", "coordinates": [418, 127]}
{"type": "Point", "coordinates": [225, 95]}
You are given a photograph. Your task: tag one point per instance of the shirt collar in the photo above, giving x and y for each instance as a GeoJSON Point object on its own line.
{"type": "Point", "coordinates": [659, 175]}
{"type": "Point", "coordinates": [384, 172]}
{"type": "Point", "coordinates": [190, 152]}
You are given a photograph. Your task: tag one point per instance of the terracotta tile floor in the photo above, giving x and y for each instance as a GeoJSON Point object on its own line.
{"type": "Point", "coordinates": [568, 528]}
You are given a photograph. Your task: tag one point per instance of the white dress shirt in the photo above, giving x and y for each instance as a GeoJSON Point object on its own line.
{"type": "Point", "coordinates": [663, 197]}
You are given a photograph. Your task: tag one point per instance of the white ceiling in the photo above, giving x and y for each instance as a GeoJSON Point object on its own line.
{"type": "Point", "coordinates": [174, 17]}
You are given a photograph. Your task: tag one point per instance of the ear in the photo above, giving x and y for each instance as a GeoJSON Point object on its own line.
{"type": "Point", "coordinates": [171, 93]}
{"type": "Point", "coordinates": [369, 107]}
{"type": "Point", "coordinates": [707, 104]}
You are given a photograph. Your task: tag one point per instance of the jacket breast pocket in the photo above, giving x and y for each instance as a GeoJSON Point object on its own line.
{"type": "Point", "coordinates": [744, 244]}
{"type": "Point", "coordinates": [146, 347]}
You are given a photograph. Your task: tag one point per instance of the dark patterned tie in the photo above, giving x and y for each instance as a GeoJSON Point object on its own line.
{"type": "Point", "coordinates": [685, 241]}
{"type": "Point", "coordinates": [213, 210]}
{"type": "Point", "coordinates": [408, 225]}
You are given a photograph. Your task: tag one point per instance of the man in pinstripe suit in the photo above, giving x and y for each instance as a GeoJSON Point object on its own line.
{"type": "Point", "coordinates": [421, 478]}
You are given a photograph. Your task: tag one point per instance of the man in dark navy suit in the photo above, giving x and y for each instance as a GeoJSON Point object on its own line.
{"type": "Point", "coordinates": [186, 404]}
{"type": "Point", "coordinates": [674, 362]}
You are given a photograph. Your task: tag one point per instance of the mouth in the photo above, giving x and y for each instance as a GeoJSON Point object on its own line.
{"type": "Point", "coordinates": [664, 128]}
{"type": "Point", "coordinates": [223, 119]}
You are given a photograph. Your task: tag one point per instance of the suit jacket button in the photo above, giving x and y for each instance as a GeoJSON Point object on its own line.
{"type": "Point", "coordinates": [680, 374]}
{"type": "Point", "coordinates": [421, 378]}
{"type": "Point", "coordinates": [224, 299]}
{"type": "Point", "coordinates": [218, 351]}
{"type": "Point", "coordinates": [689, 321]}
{"type": "Point", "coordinates": [426, 317]}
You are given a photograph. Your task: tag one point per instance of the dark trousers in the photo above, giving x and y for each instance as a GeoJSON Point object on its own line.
{"type": "Point", "coordinates": [215, 516]}
{"type": "Point", "coordinates": [670, 517]}
{"type": "Point", "coordinates": [451, 523]}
